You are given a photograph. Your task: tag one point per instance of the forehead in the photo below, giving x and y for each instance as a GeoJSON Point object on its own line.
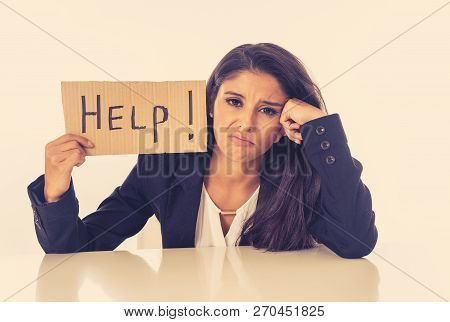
{"type": "Point", "coordinates": [255, 85]}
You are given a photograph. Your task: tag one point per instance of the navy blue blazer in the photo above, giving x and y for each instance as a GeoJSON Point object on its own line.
{"type": "Point", "coordinates": [346, 223]}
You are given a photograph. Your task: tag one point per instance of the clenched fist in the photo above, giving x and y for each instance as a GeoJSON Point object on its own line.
{"type": "Point", "coordinates": [61, 155]}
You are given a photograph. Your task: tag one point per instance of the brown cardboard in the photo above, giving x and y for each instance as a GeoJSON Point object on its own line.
{"type": "Point", "coordinates": [137, 117]}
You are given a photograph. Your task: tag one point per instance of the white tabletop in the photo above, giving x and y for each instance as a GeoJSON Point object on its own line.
{"type": "Point", "coordinates": [390, 273]}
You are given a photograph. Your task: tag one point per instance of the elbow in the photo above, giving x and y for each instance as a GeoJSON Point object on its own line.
{"type": "Point", "coordinates": [64, 248]}
{"type": "Point", "coordinates": [359, 247]}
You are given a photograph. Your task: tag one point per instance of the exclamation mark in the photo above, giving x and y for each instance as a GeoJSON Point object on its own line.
{"type": "Point", "coordinates": [191, 135]}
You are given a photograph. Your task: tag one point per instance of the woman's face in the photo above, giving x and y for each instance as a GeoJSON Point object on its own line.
{"type": "Point", "coordinates": [248, 106]}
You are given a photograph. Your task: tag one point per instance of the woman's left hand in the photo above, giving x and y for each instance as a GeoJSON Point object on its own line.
{"type": "Point", "coordinates": [294, 114]}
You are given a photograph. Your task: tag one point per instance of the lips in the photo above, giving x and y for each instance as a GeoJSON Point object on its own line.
{"type": "Point", "coordinates": [241, 137]}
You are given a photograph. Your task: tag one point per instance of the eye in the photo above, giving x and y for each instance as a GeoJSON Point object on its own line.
{"type": "Point", "coordinates": [270, 111]}
{"type": "Point", "coordinates": [267, 110]}
{"type": "Point", "coordinates": [232, 100]}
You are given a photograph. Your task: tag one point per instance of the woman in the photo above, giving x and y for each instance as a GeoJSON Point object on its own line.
{"type": "Point", "coordinates": [278, 174]}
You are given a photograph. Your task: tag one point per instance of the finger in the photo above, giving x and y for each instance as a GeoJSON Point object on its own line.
{"type": "Point", "coordinates": [75, 158]}
{"type": "Point", "coordinates": [298, 136]}
{"type": "Point", "coordinates": [284, 119]}
{"type": "Point", "coordinates": [288, 125]}
{"type": "Point", "coordinates": [60, 157]}
{"type": "Point", "coordinates": [285, 116]}
{"type": "Point", "coordinates": [295, 136]}
{"type": "Point", "coordinates": [294, 126]}
{"type": "Point", "coordinates": [71, 145]}
{"type": "Point", "coordinates": [70, 137]}
{"type": "Point", "coordinates": [81, 162]}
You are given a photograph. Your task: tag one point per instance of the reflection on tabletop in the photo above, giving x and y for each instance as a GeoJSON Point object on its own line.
{"type": "Point", "coordinates": [207, 274]}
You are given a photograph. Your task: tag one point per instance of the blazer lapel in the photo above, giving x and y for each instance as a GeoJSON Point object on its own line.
{"type": "Point", "coordinates": [180, 215]}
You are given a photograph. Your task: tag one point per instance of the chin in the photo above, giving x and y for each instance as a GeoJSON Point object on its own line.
{"type": "Point", "coordinates": [240, 155]}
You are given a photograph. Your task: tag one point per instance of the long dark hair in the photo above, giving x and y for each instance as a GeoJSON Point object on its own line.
{"type": "Point", "coordinates": [280, 221]}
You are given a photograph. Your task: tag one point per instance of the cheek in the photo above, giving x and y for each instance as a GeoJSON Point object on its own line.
{"type": "Point", "coordinates": [220, 130]}
{"type": "Point", "coordinates": [219, 126]}
{"type": "Point", "coordinates": [221, 123]}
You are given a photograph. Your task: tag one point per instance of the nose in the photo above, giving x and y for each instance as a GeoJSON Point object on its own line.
{"type": "Point", "coordinates": [247, 121]}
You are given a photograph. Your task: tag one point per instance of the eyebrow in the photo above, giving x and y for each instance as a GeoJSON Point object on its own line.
{"type": "Point", "coordinates": [265, 102]}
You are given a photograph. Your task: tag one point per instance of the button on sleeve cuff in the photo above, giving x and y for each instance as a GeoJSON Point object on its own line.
{"type": "Point", "coordinates": [320, 134]}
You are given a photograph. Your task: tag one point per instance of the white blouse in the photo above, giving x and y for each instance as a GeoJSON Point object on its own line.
{"type": "Point", "coordinates": [209, 231]}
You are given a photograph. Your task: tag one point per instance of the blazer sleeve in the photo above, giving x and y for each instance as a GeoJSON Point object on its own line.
{"type": "Point", "coordinates": [59, 229]}
{"type": "Point", "coordinates": [344, 220]}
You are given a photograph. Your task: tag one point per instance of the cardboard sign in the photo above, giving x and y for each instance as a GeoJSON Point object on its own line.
{"type": "Point", "coordinates": [137, 117]}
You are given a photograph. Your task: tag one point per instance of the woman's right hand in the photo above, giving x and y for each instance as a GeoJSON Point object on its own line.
{"type": "Point", "coordinates": [61, 155]}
